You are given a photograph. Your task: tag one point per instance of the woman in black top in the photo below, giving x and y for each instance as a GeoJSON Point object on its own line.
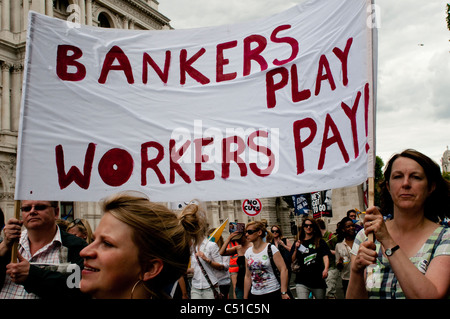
{"type": "Point", "coordinates": [310, 254]}
{"type": "Point", "coordinates": [283, 245]}
{"type": "Point", "coordinates": [240, 250]}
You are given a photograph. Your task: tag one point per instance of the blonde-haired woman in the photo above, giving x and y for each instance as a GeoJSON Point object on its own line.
{"type": "Point", "coordinates": [261, 282]}
{"type": "Point", "coordinates": [81, 228]}
{"type": "Point", "coordinates": [139, 248]}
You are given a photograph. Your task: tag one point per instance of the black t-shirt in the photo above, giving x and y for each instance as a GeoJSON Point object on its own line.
{"type": "Point", "coordinates": [310, 259]}
{"type": "Point", "coordinates": [241, 272]}
{"type": "Point", "coordinates": [286, 254]}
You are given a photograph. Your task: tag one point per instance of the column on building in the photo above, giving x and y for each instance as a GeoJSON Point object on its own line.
{"type": "Point", "coordinates": [16, 16]}
{"type": "Point", "coordinates": [26, 9]}
{"type": "Point", "coordinates": [6, 97]}
{"type": "Point", "coordinates": [16, 95]}
{"type": "Point", "coordinates": [6, 18]}
{"type": "Point", "coordinates": [89, 211]}
{"type": "Point", "coordinates": [212, 212]}
{"type": "Point", "coordinates": [125, 22]}
{"type": "Point", "coordinates": [268, 210]}
{"type": "Point", "coordinates": [49, 8]}
{"type": "Point", "coordinates": [82, 11]}
{"type": "Point", "coordinates": [39, 6]}
{"type": "Point", "coordinates": [89, 12]}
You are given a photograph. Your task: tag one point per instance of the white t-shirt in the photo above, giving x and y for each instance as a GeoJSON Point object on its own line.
{"type": "Point", "coordinates": [264, 280]}
{"type": "Point", "coordinates": [224, 275]}
{"type": "Point", "coordinates": [211, 251]}
{"type": "Point", "coordinates": [343, 250]}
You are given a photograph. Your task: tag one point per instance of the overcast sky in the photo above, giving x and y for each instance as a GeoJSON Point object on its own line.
{"type": "Point", "coordinates": [413, 108]}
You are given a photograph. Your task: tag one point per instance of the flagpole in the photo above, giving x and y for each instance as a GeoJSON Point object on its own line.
{"type": "Point", "coordinates": [371, 202]}
{"type": "Point", "coordinates": [372, 118]}
{"type": "Point", "coordinates": [15, 248]}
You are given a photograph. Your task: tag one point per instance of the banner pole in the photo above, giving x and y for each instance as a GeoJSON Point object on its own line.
{"type": "Point", "coordinates": [371, 193]}
{"type": "Point", "coordinates": [15, 248]}
{"type": "Point", "coordinates": [372, 117]}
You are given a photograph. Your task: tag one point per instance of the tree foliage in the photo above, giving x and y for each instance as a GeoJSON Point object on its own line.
{"type": "Point", "coordinates": [448, 16]}
{"type": "Point", "coordinates": [378, 178]}
{"type": "Point", "coordinates": [446, 175]}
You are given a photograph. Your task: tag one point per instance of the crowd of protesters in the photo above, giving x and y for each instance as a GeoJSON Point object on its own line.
{"type": "Point", "coordinates": [144, 250]}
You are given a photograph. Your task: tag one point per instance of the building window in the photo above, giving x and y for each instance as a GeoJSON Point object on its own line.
{"type": "Point", "coordinates": [61, 5]}
{"type": "Point", "coordinates": [103, 21]}
{"type": "Point", "coordinates": [66, 211]}
{"type": "Point", "coordinates": [60, 8]}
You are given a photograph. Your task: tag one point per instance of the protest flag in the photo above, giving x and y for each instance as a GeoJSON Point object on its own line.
{"type": "Point", "coordinates": [218, 232]}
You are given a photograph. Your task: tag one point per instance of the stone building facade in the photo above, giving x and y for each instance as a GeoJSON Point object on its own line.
{"type": "Point", "coordinates": [123, 14]}
{"type": "Point", "coordinates": [445, 161]}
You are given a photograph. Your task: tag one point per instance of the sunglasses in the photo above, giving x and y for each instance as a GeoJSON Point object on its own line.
{"type": "Point", "coordinates": [36, 207]}
{"type": "Point", "coordinates": [308, 226]}
{"type": "Point", "coordinates": [275, 231]}
{"type": "Point", "coordinates": [78, 222]}
{"type": "Point", "coordinates": [250, 231]}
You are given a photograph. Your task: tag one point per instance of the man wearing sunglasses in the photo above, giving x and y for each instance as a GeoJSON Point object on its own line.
{"type": "Point", "coordinates": [46, 255]}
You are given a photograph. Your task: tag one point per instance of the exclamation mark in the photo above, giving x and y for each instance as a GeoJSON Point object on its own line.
{"type": "Point", "coordinates": [366, 108]}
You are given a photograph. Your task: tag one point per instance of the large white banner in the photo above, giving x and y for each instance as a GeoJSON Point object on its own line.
{"type": "Point", "coordinates": [277, 106]}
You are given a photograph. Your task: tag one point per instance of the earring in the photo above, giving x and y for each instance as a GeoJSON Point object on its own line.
{"type": "Point", "coordinates": [134, 287]}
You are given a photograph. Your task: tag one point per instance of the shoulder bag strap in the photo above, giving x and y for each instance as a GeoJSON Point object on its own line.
{"type": "Point", "coordinates": [437, 242]}
{"type": "Point", "coordinates": [274, 267]}
{"type": "Point", "coordinates": [206, 275]}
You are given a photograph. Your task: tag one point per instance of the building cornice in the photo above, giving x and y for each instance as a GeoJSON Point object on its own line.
{"type": "Point", "coordinates": [141, 5]}
{"type": "Point", "coordinates": [124, 6]}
